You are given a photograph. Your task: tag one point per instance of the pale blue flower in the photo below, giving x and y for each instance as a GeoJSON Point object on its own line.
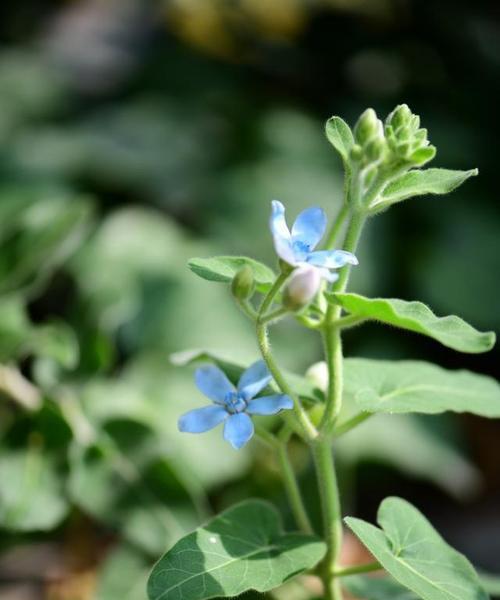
{"type": "Point", "coordinates": [233, 405]}
{"type": "Point", "coordinates": [297, 247]}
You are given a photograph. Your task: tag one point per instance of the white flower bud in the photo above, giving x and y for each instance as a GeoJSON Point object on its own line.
{"type": "Point", "coordinates": [302, 287]}
{"type": "Point", "coordinates": [318, 375]}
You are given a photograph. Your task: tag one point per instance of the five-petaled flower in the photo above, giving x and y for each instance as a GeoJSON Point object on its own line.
{"type": "Point", "coordinates": [297, 247]}
{"type": "Point", "coordinates": [233, 405]}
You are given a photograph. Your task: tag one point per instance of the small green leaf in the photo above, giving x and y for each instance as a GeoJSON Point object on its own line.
{"type": "Point", "coordinates": [412, 551]}
{"type": "Point", "coordinates": [243, 548]}
{"type": "Point", "coordinates": [377, 588]}
{"type": "Point", "coordinates": [420, 183]}
{"type": "Point", "coordinates": [302, 386]}
{"type": "Point", "coordinates": [451, 331]}
{"type": "Point", "coordinates": [224, 268]}
{"type": "Point", "coordinates": [340, 136]}
{"type": "Point", "coordinates": [416, 386]}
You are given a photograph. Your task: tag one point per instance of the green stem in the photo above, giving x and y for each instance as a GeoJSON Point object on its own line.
{"type": "Point", "coordinates": [351, 423]}
{"type": "Point", "coordinates": [293, 490]}
{"type": "Point", "coordinates": [368, 568]}
{"type": "Point", "coordinates": [349, 321]}
{"type": "Point", "coordinates": [274, 315]}
{"type": "Point", "coordinates": [337, 226]}
{"type": "Point", "coordinates": [330, 508]}
{"type": "Point", "coordinates": [307, 428]}
{"type": "Point", "coordinates": [333, 354]}
{"type": "Point", "coordinates": [247, 309]}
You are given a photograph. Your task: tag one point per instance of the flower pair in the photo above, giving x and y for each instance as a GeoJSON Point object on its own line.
{"type": "Point", "coordinates": [233, 405]}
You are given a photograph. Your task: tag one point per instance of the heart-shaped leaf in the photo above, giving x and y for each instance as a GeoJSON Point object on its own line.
{"type": "Point", "coordinates": [451, 331]}
{"type": "Point", "coordinates": [340, 136]}
{"type": "Point", "coordinates": [412, 551]}
{"type": "Point", "coordinates": [301, 385]}
{"type": "Point", "coordinates": [224, 268]}
{"type": "Point", "coordinates": [416, 386]}
{"type": "Point", "coordinates": [241, 549]}
{"type": "Point", "coordinates": [420, 183]}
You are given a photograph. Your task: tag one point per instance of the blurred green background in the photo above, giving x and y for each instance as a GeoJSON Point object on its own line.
{"type": "Point", "coordinates": [134, 135]}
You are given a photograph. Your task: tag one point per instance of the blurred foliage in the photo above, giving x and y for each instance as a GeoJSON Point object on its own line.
{"type": "Point", "coordinates": [135, 136]}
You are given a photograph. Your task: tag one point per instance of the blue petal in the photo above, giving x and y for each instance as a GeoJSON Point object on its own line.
{"type": "Point", "coordinates": [309, 227]}
{"type": "Point", "coordinates": [212, 382]}
{"type": "Point", "coordinates": [202, 419]}
{"type": "Point", "coordinates": [238, 430]}
{"type": "Point", "coordinates": [254, 379]}
{"type": "Point", "coordinates": [269, 405]}
{"type": "Point", "coordinates": [331, 259]}
{"type": "Point", "coordinates": [281, 235]}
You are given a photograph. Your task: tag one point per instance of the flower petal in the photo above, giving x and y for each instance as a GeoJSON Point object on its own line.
{"type": "Point", "coordinates": [281, 235]}
{"type": "Point", "coordinates": [309, 227]}
{"type": "Point", "coordinates": [202, 419]}
{"type": "Point", "coordinates": [269, 405]}
{"type": "Point", "coordinates": [254, 379]}
{"type": "Point", "coordinates": [212, 382]}
{"type": "Point", "coordinates": [238, 430]}
{"type": "Point", "coordinates": [331, 259]}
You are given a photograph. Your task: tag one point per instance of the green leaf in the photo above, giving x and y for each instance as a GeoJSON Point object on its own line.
{"type": "Point", "coordinates": [340, 136]}
{"type": "Point", "coordinates": [416, 386]}
{"type": "Point", "coordinates": [412, 551]}
{"type": "Point", "coordinates": [490, 582]}
{"type": "Point", "coordinates": [451, 331]}
{"type": "Point", "coordinates": [377, 588]}
{"type": "Point", "coordinates": [302, 386]}
{"type": "Point", "coordinates": [420, 183]}
{"type": "Point", "coordinates": [31, 494]}
{"type": "Point", "coordinates": [224, 268]}
{"type": "Point", "coordinates": [241, 549]}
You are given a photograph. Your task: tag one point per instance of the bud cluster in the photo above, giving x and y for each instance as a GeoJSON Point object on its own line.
{"type": "Point", "coordinates": [400, 143]}
{"type": "Point", "coordinates": [407, 141]}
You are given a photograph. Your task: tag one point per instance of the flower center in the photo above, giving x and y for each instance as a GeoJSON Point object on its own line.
{"type": "Point", "coordinates": [235, 403]}
{"type": "Point", "coordinates": [300, 249]}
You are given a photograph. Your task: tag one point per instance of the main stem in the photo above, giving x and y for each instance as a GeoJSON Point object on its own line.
{"type": "Point", "coordinates": [332, 516]}
{"type": "Point", "coordinates": [322, 451]}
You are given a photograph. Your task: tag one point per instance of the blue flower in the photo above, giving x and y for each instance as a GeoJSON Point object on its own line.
{"type": "Point", "coordinates": [297, 248]}
{"type": "Point", "coordinates": [233, 405]}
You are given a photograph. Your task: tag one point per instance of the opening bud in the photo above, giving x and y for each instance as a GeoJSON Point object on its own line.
{"type": "Point", "coordinates": [300, 290]}
{"type": "Point", "coordinates": [243, 284]}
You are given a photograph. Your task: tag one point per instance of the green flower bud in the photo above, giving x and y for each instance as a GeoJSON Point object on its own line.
{"type": "Point", "coordinates": [420, 138]}
{"type": "Point", "coordinates": [366, 127]}
{"type": "Point", "coordinates": [376, 149]}
{"type": "Point", "coordinates": [400, 116]}
{"type": "Point", "coordinates": [356, 153]}
{"type": "Point", "coordinates": [243, 284]}
{"type": "Point", "coordinates": [301, 288]}
{"type": "Point", "coordinates": [423, 155]}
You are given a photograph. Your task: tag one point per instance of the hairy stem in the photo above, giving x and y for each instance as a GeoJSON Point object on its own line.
{"type": "Point", "coordinates": [307, 428]}
{"type": "Point", "coordinates": [331, 513]}
{"type": "Point", "coordinates": [357, 569]}
{"type": "Point", "coordinates": [337, 226]}
{"type": "Point", "coordinates": [293, 490]}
